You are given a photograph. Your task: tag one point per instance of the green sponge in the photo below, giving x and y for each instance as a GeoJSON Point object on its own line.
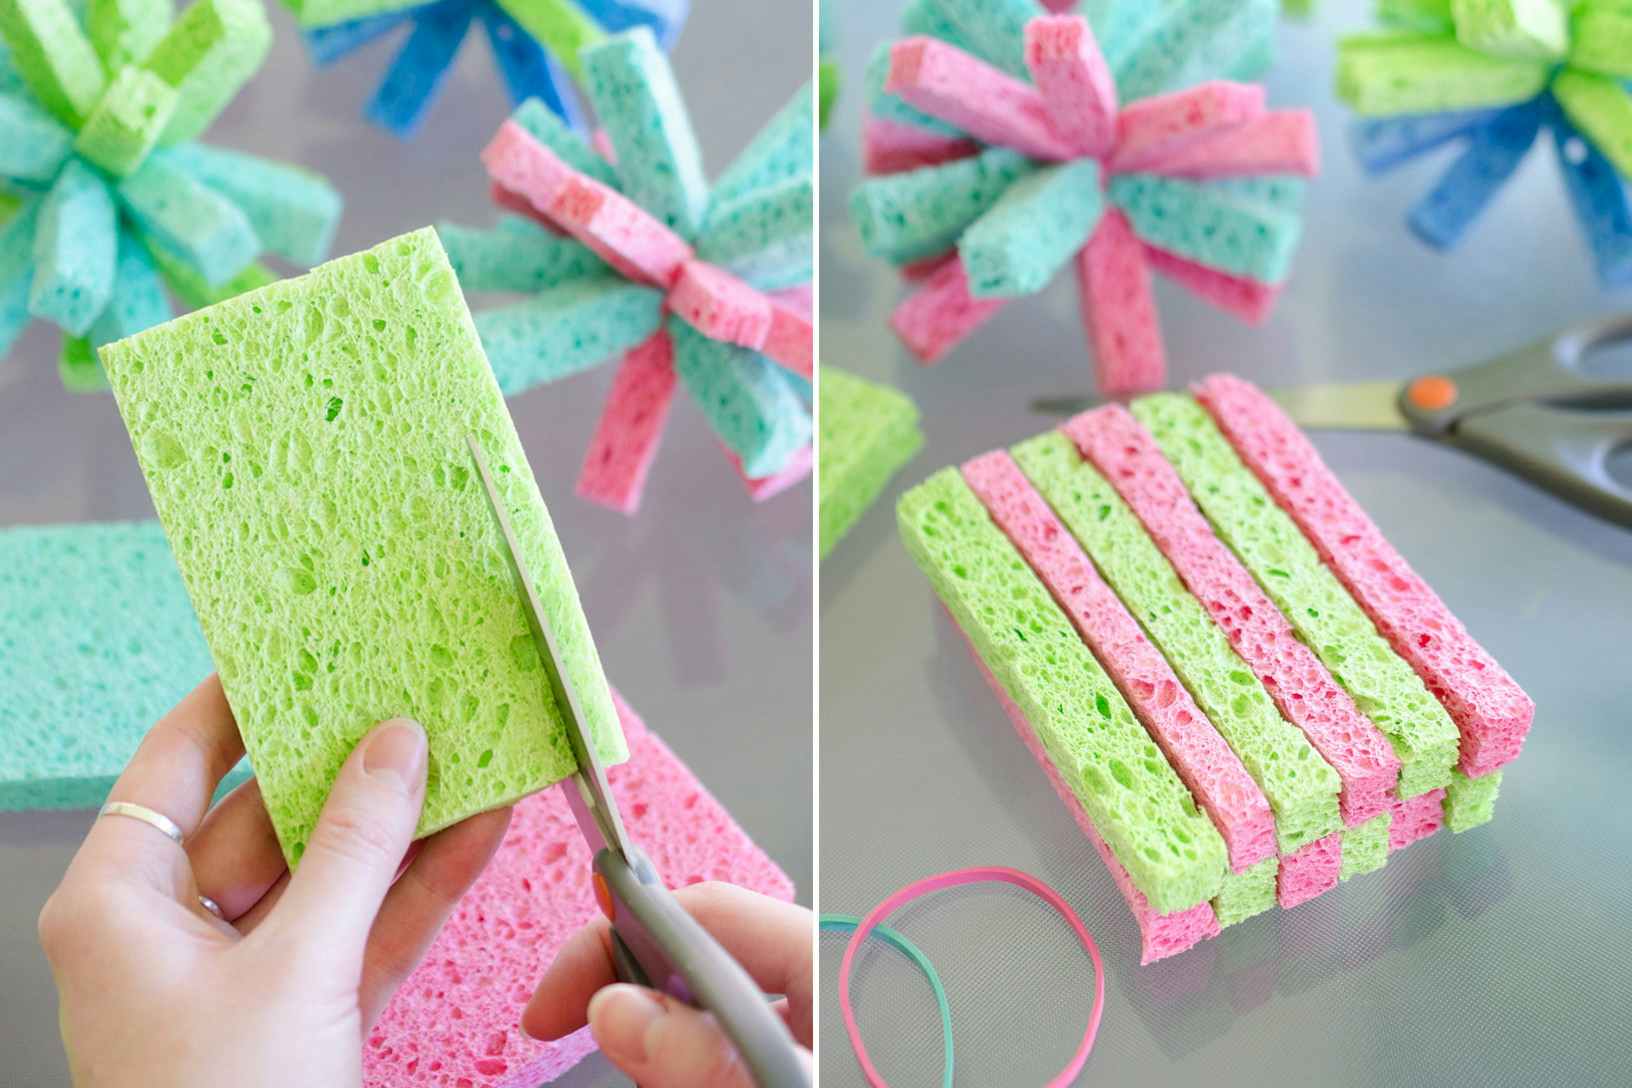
{"type": "Point", "coordinates": [868, 432]}
{"type": "Point", "coordinates": [1246, 894]}
{"type": "Point", "coordinates": [1286, 565]}
{"type": "Point", "coordinates": [1302, 788]}
{"type": "Point", "coordinates": [1365, 848]}
{"type": "Point", "coordinates": [1470, 802]}
{"type": "Point", "coordinates": [305, 447]}
{"type": "Point", "coordinates": [1136, 801]}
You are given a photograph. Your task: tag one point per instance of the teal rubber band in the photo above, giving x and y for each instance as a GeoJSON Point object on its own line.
{"type": "Point", "coordinates": [847, 923]}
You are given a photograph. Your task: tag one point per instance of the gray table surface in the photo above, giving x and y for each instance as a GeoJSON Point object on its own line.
{"type": "Point", "coordinates": [1497, 957]}
{"type": "Point", "coordinates": [701, 606]}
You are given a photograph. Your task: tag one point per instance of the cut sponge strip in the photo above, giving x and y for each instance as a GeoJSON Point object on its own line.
{"type": "Point", "coordinates": [1269, 544]}
{"type": "Point", "coordinates": [1301, 788]}
{"type": "Point", "coordinates": [567, 330]}
{"type": "Point", "coordinates": [627, 435]}
{"type": "Point", "coordinates": [1385, 74]}
{"type": "Point", "coordinates": [1245, 895]}
{"type": "Point", "coordinates": [52, 57]}
{"type": "Point", "coordinates": [1212, 772]}
{"type": "Point", "coordinates": [1032, 230]}
{"type": "Point", "coordinates": [1310, 871]}
{"type": "Point", "coordinates": [294, 212]}
{"type": "Point", "coordinates": [455, 1019]}
{"type": "Point", "coordinates": [868, 432]}
{"type": "Point", "coordinates": [1171, 851]}
{"type": "Point", "coordinates": [1365, 848]}
{"type": "Point", "coordinates": [1491, 711]}
{"type": "Point", "coordinates": [99, 642]}
{"type": "Point", "coordinates": [1470, 802]}
{"type": "Point", "coordinates": [75, 250]}
{"type": "Point", "coordinates": [1210, 223]}
{"type": "Point", "coordinates": [749, 401]}
{"type": "Point", "coordinates": [207, 56]}
{"type": "Point", "coordinates": [305, 447]}
{"type": "Point", "coordinates": [921, 213]}
{"type": "Point", "coordinates": [1416, 818]}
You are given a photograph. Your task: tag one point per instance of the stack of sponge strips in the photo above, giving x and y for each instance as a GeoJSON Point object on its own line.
{"type": "Point", "coordinates": [1242, 691]}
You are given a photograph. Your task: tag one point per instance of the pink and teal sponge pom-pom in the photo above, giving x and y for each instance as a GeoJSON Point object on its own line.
{"type": "Point", "coordinates": [1491, 77]}
{"type": "Point", "coordinates": [626, 251]}
{"type": "Point", "coordinates": [110, 199]}
{"type": "Point", "coordinates": [536, 44]}
{"type": "Point", "coordinates": [1006, 143]}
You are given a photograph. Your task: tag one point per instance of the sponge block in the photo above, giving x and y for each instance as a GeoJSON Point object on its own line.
{"type": "Point", "coordinates": [454, 1019]}
{"type": "Point", "coordinates": [1173, 854]}
{"type": "Point", "coordinates": [1470, 802]}
{"type": "Point", "coordinates": [868, 432]}
{"type": "Point", "coordinates": [305, 447]}
{"type": "Point", "coordinates": [99, 642]}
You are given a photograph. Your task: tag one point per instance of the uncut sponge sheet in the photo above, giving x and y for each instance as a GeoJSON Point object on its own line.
{"type": "Point", "coordinates": [305, 446]}
{"type": "Point", "coordinates": [97, 642]}
{"type": "Point", "coordinates": [455, 1022]}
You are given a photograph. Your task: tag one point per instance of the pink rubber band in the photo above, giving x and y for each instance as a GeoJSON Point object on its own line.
{"type": "Point", "coordinates": [952, 879]}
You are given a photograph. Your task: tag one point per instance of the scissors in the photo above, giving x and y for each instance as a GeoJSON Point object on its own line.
{"type": "Point", "coordinates": [655, 943]}
{"type": "Point", "coordinates": [1533, 411]}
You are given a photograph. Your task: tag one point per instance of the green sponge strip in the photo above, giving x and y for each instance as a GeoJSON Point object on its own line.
{"type": "Point", "coordinates": [125, 125]}
{"type": "Point", "coordinates": [1268, 543]}
{"type": "Point", "coordinates": [1520, 29]}
{"type": "Point", "coordinates": [32, 145]}
{"type": "Point", "coordinates": [640, 107]}
{"type": "Point", "coordinates": [125, 31]}
{"type": "Point", "coordinates": [1136, 801]}
{"type": "Point", "coordinates": [1035, 227]}
{"type": "Point", "coordinates": [1382, 75]}
{"type": "Point", "coordinates": [563, 29]}
{"type": "Point", "coordinates": [197, 224]}
{"type": "Point", "coordinates": [305, 447]}
{"type": "Point", "coordinates": [827, 84]}
{"type": "Point", "coordinates": [1302, 788]}
{"type": "Point", "coordinates": [1365, 848]}
{"type": "Point", "coordinates": [920, 213]}
{"type": "Point", "coordinates": [764, 236]}
{"type": "Point", "coordinates": [1431, 16]}
{"type": "Point", "coordinates": [1602, 109]}
{"type": "Point", "coordinates": [317, 13]}
{"type": "Point", "coordinates": [782, 150]}
{"type": "Point", "coordinates": [520, 257]}
{"type": "Point", "coordinates": [1601, 39]}
{"type": "Point", "coordinates": [548, 129]}
{"type": "Point", "coordinates": [294, 212]}
{"type": "Point", "coordinates": [207, 56]}
{"type": "Point", "coordinates": [1246, 894]}
{"type": "Point", "coordinates": [53, 57]}
{"type": "Point", "coordinates": [78, 368]}
{"type": "Point", "coordinates": [567, 330]}
{"type": "Point", "coordinates": [1470, 802]}
{"type": "Point", "coordinates": [138, 296]}
{"type": "Point", "coordinates": [868, 432]}
{"type": "Point", "coordinates": [888, 107]}
{"type": "Point", "coordinates": [191, 288]}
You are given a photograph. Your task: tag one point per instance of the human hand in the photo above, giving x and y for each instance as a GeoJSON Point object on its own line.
{"type": "Point", "coordinates": [280, 989]}
{"type": "Point", "coordinates": [656, 1040]}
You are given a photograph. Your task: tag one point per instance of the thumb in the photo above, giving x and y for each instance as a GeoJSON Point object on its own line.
{"type": "Point", "coordinates": [660, 1042]}
{"type": "Point", "coordinates": [359, 842]}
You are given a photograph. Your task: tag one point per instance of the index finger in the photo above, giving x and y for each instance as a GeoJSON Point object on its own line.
{"type": "Point", "coordinates": [771, 940]}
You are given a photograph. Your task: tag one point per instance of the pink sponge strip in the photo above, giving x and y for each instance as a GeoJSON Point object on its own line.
{"type": "Point", "coordinates": [986, 102]}
{"type": "Point", "coordinates": [1161, 935]}
{"type": "Point", "coordinates": [1416, 818]}
{"type": "Point", "coordinates": [1118, 309]}
{"type": "Point", "coordinates": [890, 147]}
{"type": "Point", "coordinates": [722, 307]}
{"type": "Point", "coordinates": [1247, 299]}
{"type": "Point", "coordinates": [1151, 128]}
{"type": "Point", "coordinates": [455, 1021]}
{"type": "Point", "coordinates": [631, 426]}
{"type": "Point", "coordinates": [1300, 685]}
{"type": "Point", "coordinates": [1491, 711]}
{"type": "Point", "coordinates": [1279, 142]}
{"type": "Point", "coordinates": [617, 229]}
{"type": "Point", "coordinates": [1309, 871]}
{"type": "Point", "coordinates": [1213, 772]}
{"type": "Point", "coordinates": [941, 313]}
{"type": "Point", "coordinates": [1076, 83]}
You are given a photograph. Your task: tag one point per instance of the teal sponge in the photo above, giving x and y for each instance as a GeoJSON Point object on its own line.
{"type": "Point", "coordinates": [1135, 799]}
{"type": "Point", "coordinates": [921, 213]}
{"type": "Point", "coordinates": [868, 432]}
{"type": "Point", "coordinates": [305, 447]}
{"type": "Point", "coordinates": [98, 642]}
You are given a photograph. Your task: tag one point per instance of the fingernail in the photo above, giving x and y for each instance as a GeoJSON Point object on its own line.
{"type": "Point", "coordinates": [396, 750]}
{"type": "Point", "coordinates": [622, 1015]}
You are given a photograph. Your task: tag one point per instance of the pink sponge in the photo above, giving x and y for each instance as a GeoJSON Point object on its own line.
{"type": "Point", "coordinates": [1491, 711]}
{"type": "Point", "coordinates": [1310, 871]}
{"type": "Point", "coordinates": [1416, 818]}
{"type": "Point", "coordinates": [620, 455]}
{"type": "Point", "coordinates": [1214, 774]}
{"type": "Point", "coordinates": [455, 1021]}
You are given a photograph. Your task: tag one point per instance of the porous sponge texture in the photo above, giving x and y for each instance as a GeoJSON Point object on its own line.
{"type": "Point", "coordinates": [97, 642]}
{"type": "Point", "coordinates": [1247, 894]}
{"type": "Point", "coordinates": [305, 447]}
{"type": "Point", "coordinates": [921, 213]}
{"type": "Point", "coordinates": [1365, 848]}
{"type": "Point", "coordinates": [1301, 787]}
{"type": "Point", "coordinates": [1171, 851]}
{"type": "Point", "coordinates": [1323, 614]}
{"type": "Point", "coordinates": [1470, 802]}
{"type": "Point", "coordinates": [867, 432]}
{"type": "Point", "coordinates": [454, 1023]}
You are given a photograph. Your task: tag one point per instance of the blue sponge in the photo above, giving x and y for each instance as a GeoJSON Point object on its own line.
{"type": "Point", "coordinates": [98, 641]}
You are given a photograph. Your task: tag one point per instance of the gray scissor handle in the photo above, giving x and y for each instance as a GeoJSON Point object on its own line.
{"type": "Point", "coordinates": [1565, 452]}
{"type": "Point", "coordinates": [658, 944]}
